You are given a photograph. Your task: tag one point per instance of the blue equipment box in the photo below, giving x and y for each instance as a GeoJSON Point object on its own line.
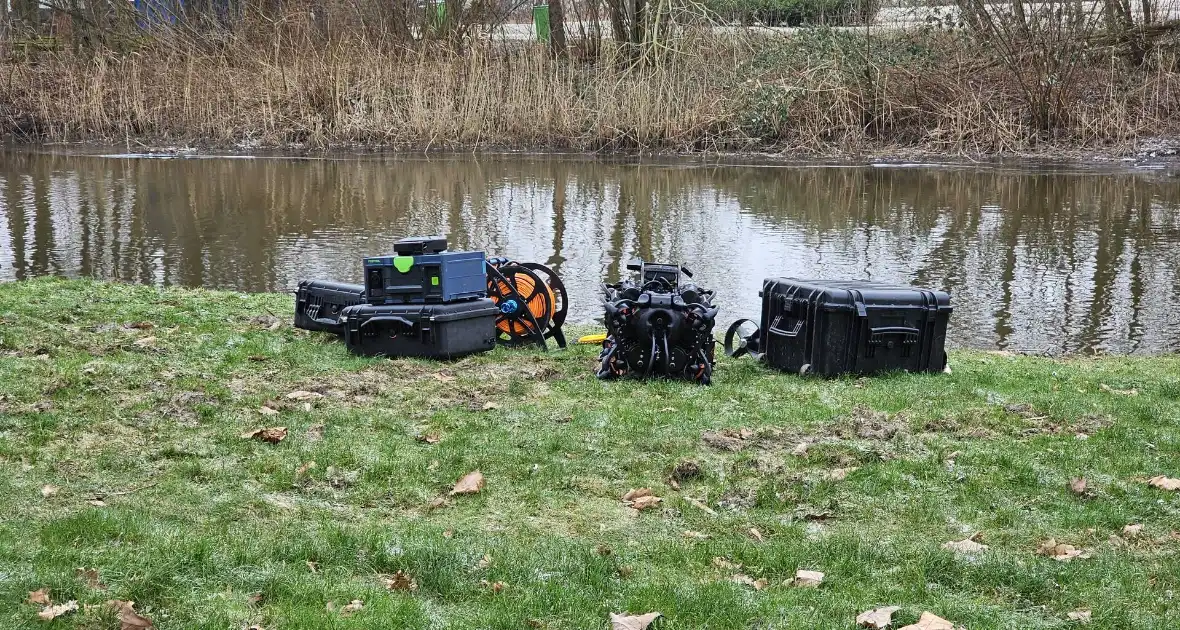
{"type": "Point", "coordinates": [423, 272]}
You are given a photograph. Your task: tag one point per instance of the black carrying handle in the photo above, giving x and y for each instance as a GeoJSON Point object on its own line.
{"type": "Point", "coordinates": [877, 335]}
{"type": "Point", "coordinates": [389, 319]}
{"type": "Point", "coordinates": [744, 347]}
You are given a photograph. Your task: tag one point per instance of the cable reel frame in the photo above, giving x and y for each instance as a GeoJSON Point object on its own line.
{"type": "Point", "coordinates": [515, 308]}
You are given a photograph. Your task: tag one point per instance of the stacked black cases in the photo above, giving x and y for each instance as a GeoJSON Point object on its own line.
{"type": "Point", "coordinates": [435, 331]}
{"type": "Point", "coordinates": [831, 327]}
{"type": "Point", "coordinates": [318, 304]}
{"type": "Point", "coordinates": [661, 327]}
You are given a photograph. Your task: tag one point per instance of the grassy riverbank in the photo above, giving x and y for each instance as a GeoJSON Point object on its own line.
{"type": "Point", "coordinates": [821, 92]}
{"type": "Point", "coordinates": [122, 411]}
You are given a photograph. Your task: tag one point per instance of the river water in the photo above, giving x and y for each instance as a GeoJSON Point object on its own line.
{"type": "Point", "coordinates": [1046, 260]}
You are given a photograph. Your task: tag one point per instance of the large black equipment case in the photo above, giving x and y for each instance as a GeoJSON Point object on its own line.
{"type": "Point", "coordinates": [436, 331]}
{"type": "Point", "coordinates": [831, 327]}
{"type": "Point", "coordinates": [318, 304]}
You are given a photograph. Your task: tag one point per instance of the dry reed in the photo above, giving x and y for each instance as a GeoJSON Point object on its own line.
{"type": "Point", "coordinates": [293, 89]}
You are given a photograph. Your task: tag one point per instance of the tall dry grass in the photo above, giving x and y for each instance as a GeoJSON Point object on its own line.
{"type": "Point", "coordinates": [824, 92]}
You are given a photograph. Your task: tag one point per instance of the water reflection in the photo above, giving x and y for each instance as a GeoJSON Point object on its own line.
{"type": "Point", "coordinates": [1035, 260]}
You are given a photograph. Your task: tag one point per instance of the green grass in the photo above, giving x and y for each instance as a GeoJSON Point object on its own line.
{"type": "Point", "coordinates": [196, 518]}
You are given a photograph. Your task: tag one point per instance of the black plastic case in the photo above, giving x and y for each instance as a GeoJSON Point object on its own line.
{"type": "Point", "coordinates": [436, 331]}
{"type": "Point", "coordinates": [831, 327]}
{"type": "Point", "coordinates": [318, 304]}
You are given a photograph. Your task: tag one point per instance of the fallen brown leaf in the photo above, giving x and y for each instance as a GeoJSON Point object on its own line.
{"type": "Point", "coordinates": [807, 579]}
{"type": "Point", "coordinates": [304, 396]}
{"type": "Point", "coordinates": [271, 435]}
{"type": "Point", "coordinates": [1060, 552]}
{"type": "Point", "coordinates": [489, 406]}
{"type": "Point", "coordinates": [725, 563]}
{"type": "Point", "coordinates": [1121, 392]}
{"type": "Point", "coordinates": [450, 533]}
{"type": "Point", "coordinates": [1080, 616]}
{"type": "Point", "coordinates": [96, 502]}
{"type": "Point", "coordinates": [471, 483]}
{"type": "Point", "coordinates": [646, 502]}
{"type": "Point", "coordinates": [756, 535]}
{"type": "Point", "coordinates": [129, 619]}
{"type": "Point", "coordinates": [352, 608]}
{"type": "Point", "coordinates": [722, 442]}
{"type": "Point", "coordinates": [746, 580]}
{"type": "Point", "coordinates": [400, 581]}
{"type": "Point", "coordinates": [840, 474]}
{"type": "Point", "coordinates": [965, 546]}
{"type": "Point", "coordinates": [877, 618]}
{"type": "Point", "coordinates": [40, 597]}
{"type": "Point", "coordinates": [1078, 485]}
{"type": "Point", "coordinates": [624, 621]}
{"type": "Point", "coordinates": [91, 578]}
{"type": "Point", "coordinates": [49, 491]}
{"type": "Point", "coordinates": [444, 378]}
{"type": "Point", "coordinates": [430, 438]}
{"type": "Point", "coordinates": [145, 342]}
{"type": "Point", "coordinates": [700, 505]}
{"type": "Point", "coordinates": [930, 621]}
{"type": "Point", "coordinates": [636, 493]}
{"type": "Point", "coordinates": [267, 411]}
{"type": "Point", "coordinates": [800, 450]}
{"type": "Point", "coordinates": [695, 535]}
{"type": "Point", "coordinates": [1164, 483]}
{"type": "Point", "coordinates": [50, 613]}
{"type": "Point", "coordinates": [1132, 531]}
{"type": "Point", "coordinates": [140, 325]}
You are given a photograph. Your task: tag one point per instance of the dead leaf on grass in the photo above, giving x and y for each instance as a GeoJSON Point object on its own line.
{"type": "Point", "coordinates": [430, 438]}
{"type": "Point", "coordinates": [877, 618]}
{"type": "Point", "coordinates": [756, 535]}
{"type": "Point", "coordinates": [352, 608]}
{"type": "Point", "coordinates": [840, 474]}
{"type": "Point", "coordinates": [444, 378]}
{"type": "Point", "coordinates": [1132, 531]}
{"type": "Point", "coordinates": [436, 503]}
{"type": "Point", "coordinates": [641, 499]}
{"type": "Point", "coordinates": [725, 563]}
{"type": "Point", "coordinates": [313, 566]}
{"type": "Point", "coordinates": [254, 599]}
{"type": "Point", "coordinates": [807, 579]}
{"type": "Point", "coordinates": [1080, 616]}
{"type": "Point", "coordinates": [496, 587]}
{"type": "Point", "coordinates": [1164, 483]}
{"type": "Point", "coordinates": [267, 411]}
{"type": "Point", "coordinates": [1060, 552]}
{"type": "Point", "coordinates": [1121, 392]}
{"type": "Point", "coordinates": [695, 535]}
{"type": "Point", "coordinates": [304, 396]}
{"type": "Point", "coordinates": [801, 449]}
{"type": "Point", "coordinates": [1077, 486]}
{"type": "Point", "coordinates": [270, 435]}
{"type": "Point", "coordinates": [965, 546]}
{"type": "Point", "coordinates": [471, 483]}
{"type": "Point", "coordinates": [145, 342]}
{"type": "Point", "coordinates": [746, 580]}
{"type": "Point", "coordinates": [700, 505]}
{"type": "Point", "coordinates": [40, 597]}
{"type": "Point", "coordinates": [489, 406]}
{"type": "Point", "coordinates": [129, 619]}
{"type": "Point", "coordinates": [50, 613]}
{"type": "Point", "coordinates": [96, 502]}
{"type": "Point", "coordinates": [302, 470]}
{"type": "Point", "coordinates": [49, 491]}
{"type": "Point", "coordinates": [625, 621]}
{"type": "Point", "coordinates": [139, 325]}
{"type": "Point", "coordinates": [400, 581]}
{"type": "Point", "coordinates": [484, 562]}
{"type": "Point", "coordinates": [930, 621]}
{"type": "Point", "coordinates": [722, 442]}
{"type": "Point", "coordinates": [90, 576]}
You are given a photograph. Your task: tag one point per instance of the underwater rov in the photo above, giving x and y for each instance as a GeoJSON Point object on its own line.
{"type": "Point", "coordinates": [659, 326]}
{"type": "Point", "coordinates": [532, 302]}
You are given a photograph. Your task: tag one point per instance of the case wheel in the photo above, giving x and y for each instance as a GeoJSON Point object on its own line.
{"type": "Point", "coordinates": [805, 369]}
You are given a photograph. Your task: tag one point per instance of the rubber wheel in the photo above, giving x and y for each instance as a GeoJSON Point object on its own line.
{"type": "Point", "coordinates": [805, 369]}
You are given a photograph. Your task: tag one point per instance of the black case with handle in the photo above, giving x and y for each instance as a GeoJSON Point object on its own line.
{"type": "Point", "coordinates": [318, 304]}
{"type": "Point", "coordinates": [435, 331]}
{"type": "Point", "coordinates": [834, 327]}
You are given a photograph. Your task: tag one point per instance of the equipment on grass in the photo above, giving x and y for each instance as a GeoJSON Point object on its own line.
{"type": "Point", "coordinates": [661, 326]}
{"type": "Point", "coordinates": [532, 302]}
{"type": "Point", "coordinates": [433, 331]}
{"type": "Point", "coordinates": [833, 327]}
{"type": "Point", "coordinates": [318, 304]}
{"type": "Point", "coordinates": [422, 271]}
